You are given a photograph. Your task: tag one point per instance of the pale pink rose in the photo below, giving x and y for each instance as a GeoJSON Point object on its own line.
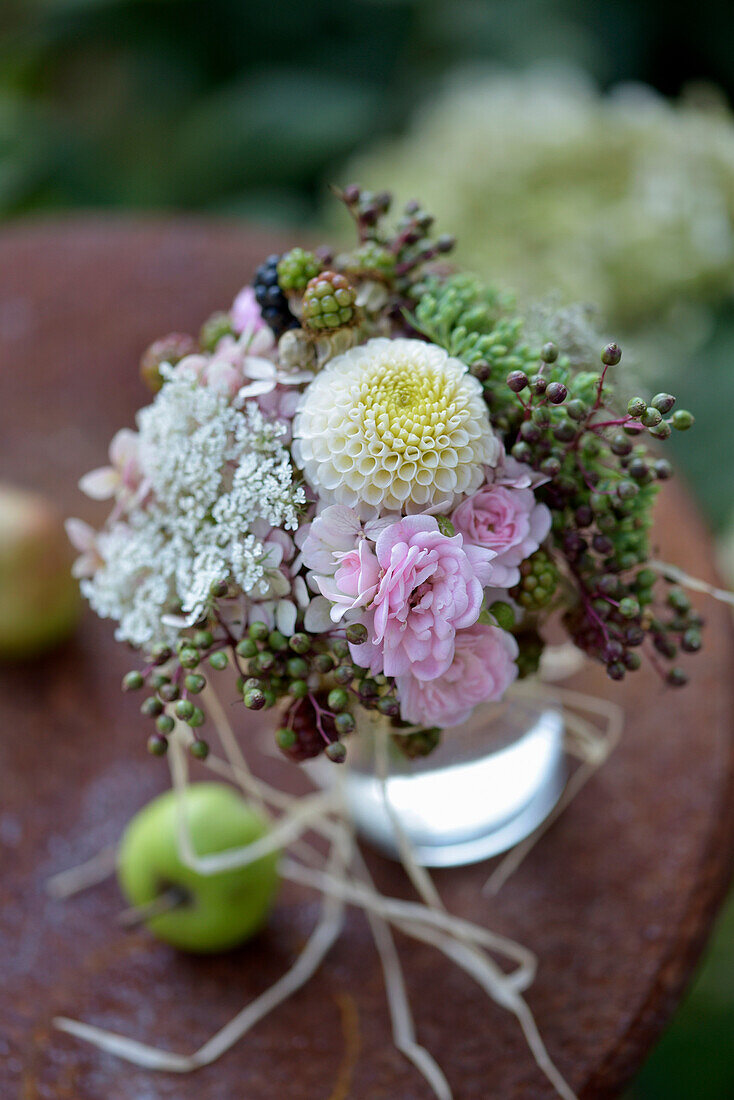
{"type": "Point", "coordinates": [355, 581]}
{"type": "Point", "coordinates": [245, 314]}
{"type": "Point", "coordinates": [334, 532]}
{"type": "Point", "coordinates": [431, 586]}
{"type": "Point", "coordinates": [506, 520]}
{"type": "Point", "coordinates": [481, 672]}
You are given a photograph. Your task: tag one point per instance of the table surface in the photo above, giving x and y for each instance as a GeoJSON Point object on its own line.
{"type": "Point", "coordinates": [616, 900]}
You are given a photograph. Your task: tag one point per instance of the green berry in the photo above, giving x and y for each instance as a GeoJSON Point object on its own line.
{"type": "Point", "coordinates": [576, 409]}
{"type": "Point", "coordinates": [258, 632]}
{"type": "Point", "coordinates": [219, 660]}
{"type": "Point", "coordinates": [356, 634]}
{"type": "Point", "coordinates": [629, 607]}
{"type": "Point", "coordinates": [414, 745]}
{"type": "Point", "coordinates": [336, 752]}
{"type": "Point", "coordinates": [246, 648]}
{"type": "Point", "coordinates": [197, 718]}
{"type": "Point", "coordinates": [299, 643]}
{"type": "Point", "coordinates": [549, 353]}
{"type": "Point", "coordinates": [329, 302]}
{"type": "Point", "coordinates": [297, 667]}
{"type": "Point", "coordinates": [254, 699]}
{"type": "Point", "coordinates": [189, 657]}
{"type": "Point", "coordinates": [651, 417]}
{"type": "Point", "coordinates": [611, 355]}
{"type": "Point", "coordinates": [663, 402]}
{"type": "Point", "coordinates": [195, 683]}
{"type": "Point", "coordinates": [184, 709]}
{"type": "Point", "coordinates": [636, 407]}
{"type": "Point", "coordinates": [677, 677]}
{"type": "Point", "coordinates": [285, 738]}
{"type": "Point", "coordinates": [682, 420]}
{"type": "Point", "coordinates": [298, 689]}
{"type": "Point", "coordinates": [157, 744]}
{"type": "Point", "coordinates": [199, 749]}
{"type": "Point", "coordinates": [344, 674]}
{"type": "Point", "coordinates": [296, 268]}
{"type": "Point", "coordinates": [165, 724]}
{"type": "Point", "coordinates": [337, 700]}
{"type": "Point", "coordinates": [345, 722]}
{"type": "Point", "coordinates": [678, 600]}
{"type": "Point", "coordinates": [151, 707]}
{"type": "Point", "coordinates": [324, 662]}
{"type": "Point", "coordinates": [132, 681]}
{"type": "Point", "coordinates": [277, 641]}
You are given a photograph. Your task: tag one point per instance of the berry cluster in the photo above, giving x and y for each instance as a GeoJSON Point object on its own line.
{"type": "Point", "coordinates": [316, 680]}
{"type": "Point", "coordinates": [398, 253]}
{"type": "Point", "coordinates": [175, 680]}
{"type": "Point", "coordinates": [603, 479]}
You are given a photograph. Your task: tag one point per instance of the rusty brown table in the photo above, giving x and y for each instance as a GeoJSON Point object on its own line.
{"type": "Point", "coordinates": [616, 900]}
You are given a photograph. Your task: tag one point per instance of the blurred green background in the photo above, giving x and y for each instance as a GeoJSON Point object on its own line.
{"type": "Point", "coordinates": [561, 182]}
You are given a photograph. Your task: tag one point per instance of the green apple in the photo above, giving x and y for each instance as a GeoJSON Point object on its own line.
{"type": "Point", "coordinates": [39, 598]}
{"type": "Point", "coordinates": [216, 912]}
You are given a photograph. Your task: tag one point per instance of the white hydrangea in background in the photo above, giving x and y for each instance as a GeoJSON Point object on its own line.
{"type": "Point", "coordinates": [213, 475]}
{"type": "Point", "coordinates": [624, 200]}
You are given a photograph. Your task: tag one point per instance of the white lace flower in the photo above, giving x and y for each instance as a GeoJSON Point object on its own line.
{"type": "Point", "coordinates": [220, 479]}
{"type": "Point", "coordinates": [394, 426]}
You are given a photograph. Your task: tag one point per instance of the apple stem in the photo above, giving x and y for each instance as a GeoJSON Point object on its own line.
{"type": "Point", "coordinates": [137, 915]}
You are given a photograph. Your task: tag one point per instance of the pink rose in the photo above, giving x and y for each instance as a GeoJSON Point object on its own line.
{"type": "Point", "coordinates": [482, 670]}
{"type": "Point", "coordinates": [245, 314]}
{"type": "Point", "coordinates": [355, 581]}
{"type": "Point", "coordinates": [507, 520]}
{"type": "Point", "coordinates": [431, 585]}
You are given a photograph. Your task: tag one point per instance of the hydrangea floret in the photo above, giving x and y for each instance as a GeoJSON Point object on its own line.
{"type": "Point", "coordinates": [380, 502]}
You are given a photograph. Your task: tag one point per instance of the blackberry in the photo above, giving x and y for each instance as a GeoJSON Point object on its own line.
{"type": "Point", "coordinates": [538, 581]}
{"type": "Point", "coordinates": [271, 299]}
{"type": "Point", "coordinates": [329, 302]}
{"type": "Point", "coordinates": [296, 268]}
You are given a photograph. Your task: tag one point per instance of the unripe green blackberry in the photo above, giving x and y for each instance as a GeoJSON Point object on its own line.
{"type": "Point", "coordinates": [214, 329]}
{"type": "Point", "coordinates": [169, 349]}
{"type": "Point", "coordinates": [296, 268]}
{"type": "Point", "coordinates": [329, 302]}
{"type": "Point", "coordinates": [372, 258]}
{"type": "Point", "coordinates": [538, 581]}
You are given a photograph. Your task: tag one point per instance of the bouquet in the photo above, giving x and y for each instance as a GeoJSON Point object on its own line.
{"type": "Point", "coordinates": [370, 486]}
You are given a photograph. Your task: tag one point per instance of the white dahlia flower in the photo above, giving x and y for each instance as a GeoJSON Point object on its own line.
{"type": "Point", "coordinates": [394, 426]}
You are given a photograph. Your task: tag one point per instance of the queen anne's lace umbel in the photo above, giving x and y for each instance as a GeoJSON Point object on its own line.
{"type": "Point", "coordinates": [213, 475]}
{"type": "Point", "coordinates": [394, 426]}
